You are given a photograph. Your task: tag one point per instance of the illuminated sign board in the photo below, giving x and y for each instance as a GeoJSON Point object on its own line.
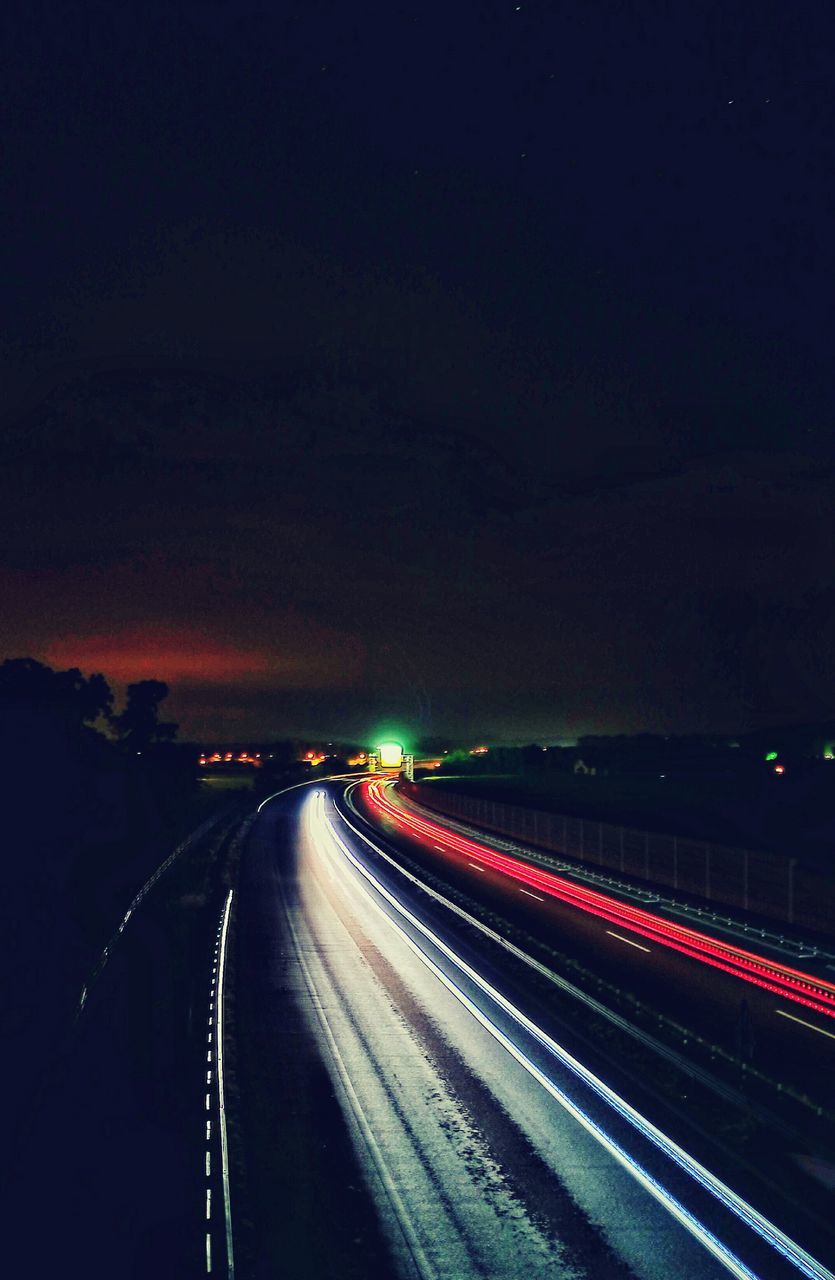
{"type": "Point", "coordinates": [391, 755]}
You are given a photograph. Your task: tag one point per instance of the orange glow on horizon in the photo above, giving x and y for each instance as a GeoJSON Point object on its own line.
{"type": "Point", "coordinates": [160, 654]}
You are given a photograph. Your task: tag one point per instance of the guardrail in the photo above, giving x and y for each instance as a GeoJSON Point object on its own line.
{"type": "Point", "coordinates": [754, 881]}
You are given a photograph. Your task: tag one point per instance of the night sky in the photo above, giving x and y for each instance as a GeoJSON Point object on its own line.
{"type": "Point", "coordinates": [467, 367]}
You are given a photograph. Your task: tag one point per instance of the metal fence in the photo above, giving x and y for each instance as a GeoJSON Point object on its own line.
{"type": "Point", "coordinates": [753, 881]}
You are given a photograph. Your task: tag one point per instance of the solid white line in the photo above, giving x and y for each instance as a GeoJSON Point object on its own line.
{"type": "Point", "coordinates": [284, 791]}
{"type": "Point", "coordinates": [760, 1224]}
{"type": "Point", "coordinates": [628, 941]}
{"type": "Point", "coordinates": [532, 895]}
{"type": "Point", "coordinates": [687, 1220]}
{"type": "Point", "coordinates": [224, 1145]}
{"type": "Point", "coordinates": [475, 866]}
{"type": "Point", "coordinates": [803, 1023]}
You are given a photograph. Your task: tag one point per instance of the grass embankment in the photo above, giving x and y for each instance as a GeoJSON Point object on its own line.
{"type": "Point", "coordinates": [673, 806]}
{"type": "Point", "coordinates": [123, 1092]}
{"type": "Point", "coordinates": [745, 813]}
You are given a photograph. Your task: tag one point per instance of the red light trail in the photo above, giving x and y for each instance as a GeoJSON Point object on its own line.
{"type": "Point", "coordinates": [789, 983]}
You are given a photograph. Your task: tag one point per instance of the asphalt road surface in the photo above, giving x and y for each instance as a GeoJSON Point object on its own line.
{"type": "Point", "coordinates": [484, 1147]}
{"type": "Point", "coordinates": [786, 1038]}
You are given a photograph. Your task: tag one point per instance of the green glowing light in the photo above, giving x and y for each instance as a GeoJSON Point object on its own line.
{"type": "Point", "coordinates": [772, 755]}
{"type": "Point", "coordinates": [391, 755]}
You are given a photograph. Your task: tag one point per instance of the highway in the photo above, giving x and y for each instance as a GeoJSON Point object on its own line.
{"type": "Point", "coordinates": [690, 975]}
{"type": "Point", "coordinates": [486, 1146]}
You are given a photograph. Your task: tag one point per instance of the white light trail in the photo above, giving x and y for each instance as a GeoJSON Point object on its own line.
{"type": "Point", "coordinates": [765, 1229]}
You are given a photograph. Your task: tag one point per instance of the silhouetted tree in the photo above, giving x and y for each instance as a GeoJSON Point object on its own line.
{"type": "Point", "coordinates": [139, 724]}
{"type": "Point", "coordinates": [28, 685]}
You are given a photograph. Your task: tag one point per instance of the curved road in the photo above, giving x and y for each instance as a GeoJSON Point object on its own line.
{"type": "Point", "coordinates": [486, 1149]}
{"type": "Point", "coordinates": [790, 1028]}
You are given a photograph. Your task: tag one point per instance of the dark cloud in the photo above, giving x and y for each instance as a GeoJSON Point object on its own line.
{"type": "Point", "coordinates": [484, 378]}
{"type": "Point", "coordinates": [337, 571]}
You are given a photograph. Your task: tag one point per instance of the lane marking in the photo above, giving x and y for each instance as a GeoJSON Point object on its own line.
{"type": "Point", "coordinates": [224, 1144]}
{"type": "Point", "coordinates": [208, 1130]}
{"type": "Point", "coordinates": [781, 979]}
{"type": "Point", "coordinates": [208, 1250]}
{"type": "Point", "coordinates": [628, 941]}
{"type": "Point", "coordinates": [208, 1102]}
{"type": "Point", "coordinates": [765, 1229]}
{"type": "Point", "coordinates": [803, 1023]}
{"type": "Point", "coordinates": [660, 1193]}
{"type": "Point", "coordinates": [441, 847]}
{"type": "Point", "coordinates": [208, 1077]}
{"type": "Point", "coordinates": [208, 1164]}
{"type": "Point", "coordinates": [208, 1203]}
{"type": "Point", "coordinates": [475, 866]}
{"type": "Point", "coordinates": [532, 895]}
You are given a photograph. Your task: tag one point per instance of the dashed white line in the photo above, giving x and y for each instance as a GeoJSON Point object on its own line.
{"type": "Point", "coordinates": [208, 1077]}
{"type": "Point", "coordinates": [208, 1130]}
{"type": "Point", "coordinates": [208, 1250]}
{"type": "Point", "coordinates": [208, 1164]}
{"type": "Point", "coordinates": [208, 1102]}
{"type": "Point", "coordinates": [208, 1203]}
{"type": "Point", "coordinates": [804, 1023]}
{"type": "Point", "coordinates": [532, 895]}
{"type": "Point", "coordinates": [628, 941]}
